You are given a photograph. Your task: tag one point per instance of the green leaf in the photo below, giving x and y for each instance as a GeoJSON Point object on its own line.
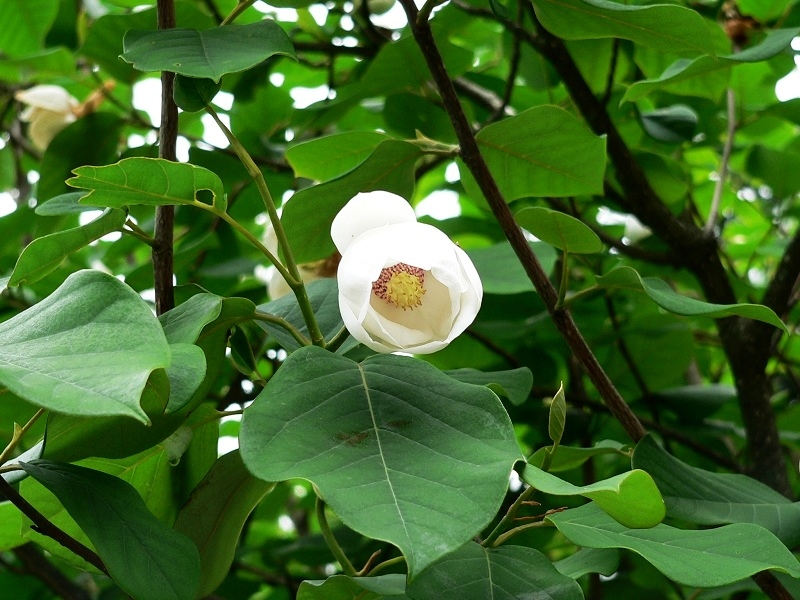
{"type": "Point", "coordinates": [53, 62]}
{"type": "Point", "coordinates": [64, 204]}
{"type": "Point", "coordinates": [589, 560]}
{"type": "Point", "coordinates": [185, 322]}
{"type": "Point", "coordinates": [671, 124]}
{"type": "Point", "coordinates": [560, 230]}
{"type": "Point", "coordinates": [567, 458]}
{"type": "Point", "coordinates": [543, 151]}
{"type": "Point", "coordinates": [514, 384]}
{"type": "Point", "coordinates": [307, 218]}
{"type": "Point", "coordinates": [667, 28]}
{"type": "Point", "coordinates": [147, 559]}
{"type": "Point", "coordinates": [779, 169]}
{"type": "Point", "coordinates": [696, 558]}
{"type": "Point", "coordinates": [49, 353]}
{"type": "Point", "coordinates": [500, 269]}
{"type": "Point", "coordinates": [660, 292]}
{"type": "Point", "coordinates": [193, 94]}
{"type": "Point", "coordinates": [25, 24]}
{"type": "Point", "coordinates": [342, 587]}
{"type": "Point", "coordinates": [330, 156]}
{"type": "Point", "coordinates": [215, 514]}
{"type": "Point", "coordinates": [378, 437]}
{"type": "Point", "coordinates": [693, 403]}
{"type": "Point", "coordinates": [323, 295]}
{"type": "Point", "coordinates": [210, 54]}
{"type": "Point", "coordinates": [682, 70]}
{"type": "Point", "coordinates": [493, 574]}
{"type": "Point", "coordinates": [557, 417]}
{"type": "Point", "coordinates": [185, 373]}
{"type": "Point", "coordinates": [43, 255]}
{"type": "Point", "coordinates": [631, 498]}
{"type": "Point", "coordinates": [763, 10]}
{"type": "Point", "coordinates": [147, 181]}
{"type": "Point", "coordinates": [707, 498]}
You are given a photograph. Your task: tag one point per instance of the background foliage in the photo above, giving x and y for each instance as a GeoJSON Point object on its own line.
{"type": "Point", "coordinates": [173, 432]}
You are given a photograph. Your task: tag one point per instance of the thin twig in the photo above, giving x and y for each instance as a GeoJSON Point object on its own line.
{"type": "Point", "coordinates": [716, 199]}
{"type": "Point", "coordinates": [45, 527]}
{"type": "Point", "coordinates": [471, 156]}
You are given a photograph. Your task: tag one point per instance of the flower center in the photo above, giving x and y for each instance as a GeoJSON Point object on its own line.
{"type": "Point", "coordinates": [400, 285]}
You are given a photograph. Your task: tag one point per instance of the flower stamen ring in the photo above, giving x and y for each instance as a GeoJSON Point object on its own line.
{"type": "Point", "coordinates": [400, 285]}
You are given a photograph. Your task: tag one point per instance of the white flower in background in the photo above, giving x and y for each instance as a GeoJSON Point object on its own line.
{"type": "Point", "coordinates": [403, 285]}
{"type": "Point", "coordinates": [276, 284]}
{"type": "Point", "coordinates": [50, 108]}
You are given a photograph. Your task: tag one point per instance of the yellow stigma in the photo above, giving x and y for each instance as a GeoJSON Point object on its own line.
{"type": "Point", "coordinates": [400, 285]}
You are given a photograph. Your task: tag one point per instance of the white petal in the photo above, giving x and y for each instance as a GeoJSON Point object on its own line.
{"type": "Point", "coordinates": [49, 97]}
{"type": "Point", "coordinates": [46, 125]}
{"type": "Point", "coordinates": [367, 211]}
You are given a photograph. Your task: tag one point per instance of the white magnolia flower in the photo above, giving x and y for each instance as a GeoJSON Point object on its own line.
{"type": "Point", "coordinates": [403, 285]}
{"type": "Point", "coordinates": [50, 108]}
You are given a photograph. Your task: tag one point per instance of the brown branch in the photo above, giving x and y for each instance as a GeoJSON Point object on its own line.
{"type": "Point", "coordinates": [42, 525]}
{"type": "Point", "coordinates": [165, 215]}
{"type": "Point", "coordinates": [36, 564]}
{"type": "Point", "coordinates": [471, 156]}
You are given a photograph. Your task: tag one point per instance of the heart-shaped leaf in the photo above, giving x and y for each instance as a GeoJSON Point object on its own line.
{"type": "Point", "coordinates": [379, 437]}
{"type": "Point", "coordinates": [50, 353]}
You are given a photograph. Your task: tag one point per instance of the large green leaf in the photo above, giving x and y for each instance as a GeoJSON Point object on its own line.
{"type": "Point", "coordinates": [589, 560]}
{"type": "Point", "coordinates": [507, 572]}
{"type": "Point", "coordinates": [631, 498]}
{"type": "Point", "coordinates": [399, 450]}
{"type": "Point", "coordinates": [779, 169]}
{"type": "Point", "coordinates": [685, 69]}
{"type": "Point", "coordinates": [663, 295]}
{"type": "Point", "coordinates": [663, 27]}
{"type": "Point", "coordinates": [43, 255]}
{"type": "Point", "coordinates": [87, 349]}
{"type": "Point", "coordinates": [215, 514]}
{"type": "Point", "coordinates": [210, 54]}
{"type": "Point", "coordinates": [57, 61]}
{"type": "Point", "coordinates": [698, 496]}
{"type": "Point", "coordinates": [560, 230]}
{"type": "Point", "coordinates": [145, 558]}
{"type": "Point", "coordinates": [308, 217]}
{"type": "Point", "coordinates": [543, 151]}
{"type": "Point", "coordinates": [148, 181]}
{"type": "Point", "coordinates": [697, 558]}
{"type": "Point", "coordinates": [500, 269]}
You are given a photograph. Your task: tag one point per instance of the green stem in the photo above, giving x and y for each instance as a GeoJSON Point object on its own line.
{"type": "Point", "coordinates": [511, 514]}
{"type": "Point", "coordinates": [135, 231]}
{"type": "Point", "coordinates": [397, 560]}
{"type": "Point", "coordinates": [427, 9]}
{"type": "Point", "coordinates": [280, 322]}
{"type": "Point", "coordinates": [512, 532]}
{"type": "Point", "coordinates": [334, 546]}
{"type": "Point", "coordinates": [338, 339]}
{"type": "Point", "coordinates": [579, 295]}
{"type": "Point", "coordinates": [290, 272]}
{"type": "Point", "coordinates": [237, 10]}
{"type": "Point", "coordinates": [19, 432]}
